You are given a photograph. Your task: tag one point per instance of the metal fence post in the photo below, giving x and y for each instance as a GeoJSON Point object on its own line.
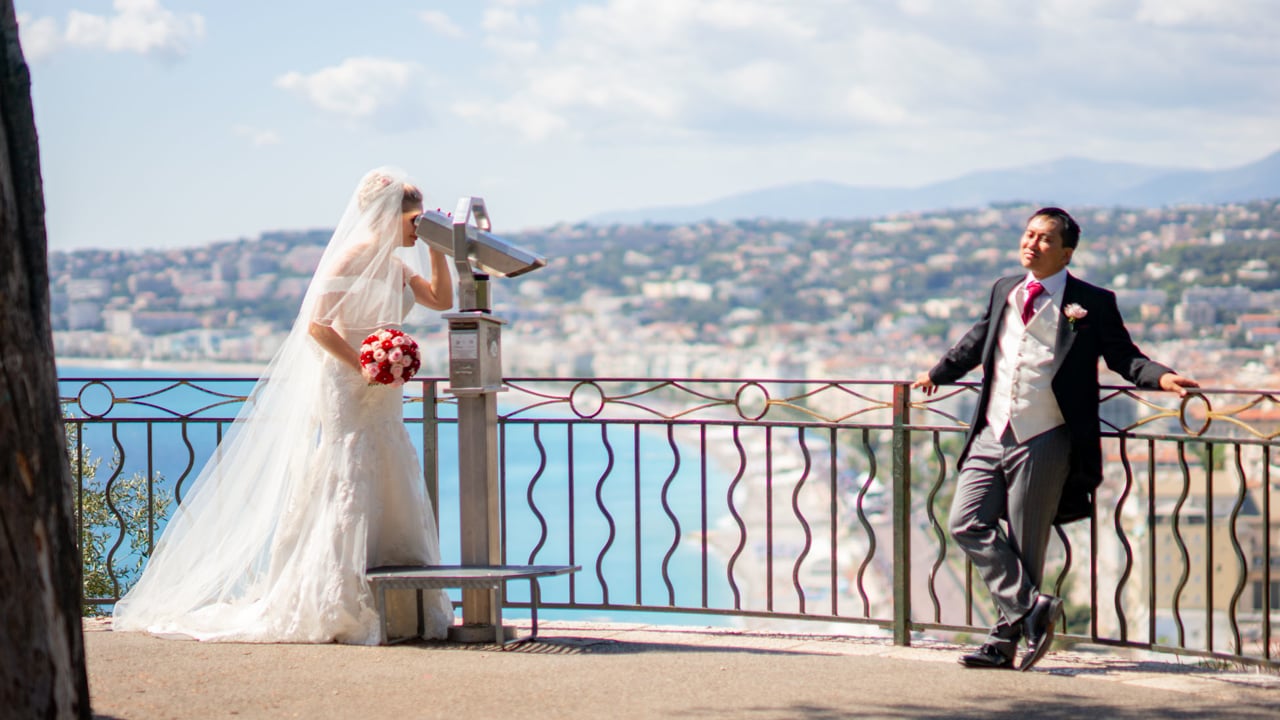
{"type": "Point", "coordinates": [431, 447]}
{"type": "Point", "coordinates": [901, 515]}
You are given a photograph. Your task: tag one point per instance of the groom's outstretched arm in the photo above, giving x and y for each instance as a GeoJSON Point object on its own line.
{"type": "Point", "coordinates": [962, 357]}
{"type": "Point", "coordinates": [1124, 357]}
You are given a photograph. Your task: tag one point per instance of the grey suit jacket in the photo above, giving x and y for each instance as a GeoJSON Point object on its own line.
{"type": "Point", "coordinates": [1100, 334]}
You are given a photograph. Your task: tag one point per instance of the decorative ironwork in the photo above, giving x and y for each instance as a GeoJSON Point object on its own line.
{"type": "Point", "coordinates": [685, 493]}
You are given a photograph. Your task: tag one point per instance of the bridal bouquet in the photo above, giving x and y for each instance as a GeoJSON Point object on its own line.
{"type": "Point", "coordinates": [389, 357]}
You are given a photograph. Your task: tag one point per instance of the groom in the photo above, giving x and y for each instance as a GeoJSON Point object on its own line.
{"type": "Point", "coordinates": [1033, 456]}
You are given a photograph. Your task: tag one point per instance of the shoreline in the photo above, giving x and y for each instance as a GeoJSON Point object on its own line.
{"type": "Point", "coordinates": [203, 367]}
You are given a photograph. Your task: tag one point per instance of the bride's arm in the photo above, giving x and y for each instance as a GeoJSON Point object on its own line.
{"type": "Point", "coordinates": [437, 293]}
{"type": "Point", "coordinates": [332, 342]}
{"type": "Point", "coordinates": [330, 287]}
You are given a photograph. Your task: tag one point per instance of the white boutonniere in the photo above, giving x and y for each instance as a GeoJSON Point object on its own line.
{"type": "Point", "coordinates": [1074, 312]}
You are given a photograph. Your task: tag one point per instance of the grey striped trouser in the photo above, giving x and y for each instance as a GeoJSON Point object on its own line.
{"type": "Point", "coordinates": [1020, 483]}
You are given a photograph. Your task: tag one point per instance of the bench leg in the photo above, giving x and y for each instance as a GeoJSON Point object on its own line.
{"type": "Point", "coordinates": [495, 616]}
{"type": "Point", "coordinates": [535, 597]}
{"type": "Point", "coordinates": [380, 599]}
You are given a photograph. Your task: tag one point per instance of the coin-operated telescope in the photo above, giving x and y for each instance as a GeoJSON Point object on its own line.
{"type": "Point", "coordinates": [475, 251]}
{"type": "Point", "coordinates": [475, 378]}
{"type": "Point", "coordinates": [475, 347]}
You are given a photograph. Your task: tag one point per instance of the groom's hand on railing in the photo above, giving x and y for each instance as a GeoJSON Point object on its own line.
{"type": "Point", "coordinates": [1173, 382]}
{"type": "Point", "coordinates": [924, 383]}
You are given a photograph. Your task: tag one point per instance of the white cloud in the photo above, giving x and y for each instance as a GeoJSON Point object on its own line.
{"type": "Point", "coordinates": [137, 26]}
{"type": "Point", "coordinates": [673, 68]}
{"type": "Point", "coordinates": [440, 23]}
{"type": "Point", "coordinates": [867, 107]}
{"type": "Point", "coordinates": [257, 137]}
{"type": "Point", "coordinates": [1189, 13]}
{"type": "Point", "coordinates": [529, 121]}
{"type": "Point", "coordinates": [40, 37]}
{"type": "Point", "coordinates": [380, 92]}
{"type": "Point", "coordinates": [502, 21]}
{"type": "Point", "coordinates": [511, 33]}
{"type": "Point", "coordinates": [747, 70]}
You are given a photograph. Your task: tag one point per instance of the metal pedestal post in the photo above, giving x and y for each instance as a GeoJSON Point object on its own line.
{"type": "Point", "coordinates": [475, 370]}
{"type": "Point", "coordinates": [475, 378]}
{"type": "Point", "coordinates": [478, 509]}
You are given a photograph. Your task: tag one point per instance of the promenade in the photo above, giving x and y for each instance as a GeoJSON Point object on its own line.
{"type": "Point", "coordinates": [590, 670]}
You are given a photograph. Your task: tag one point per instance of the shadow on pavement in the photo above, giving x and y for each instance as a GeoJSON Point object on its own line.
{"type": "Point", "coordinates": [568, 645]}
{"type": "Point", "coordinates": [1056, 708]}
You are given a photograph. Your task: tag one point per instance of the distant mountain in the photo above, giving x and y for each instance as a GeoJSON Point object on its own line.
{"type": "Point", "coordinates": [1068, 182]}
{"type": "Point", "coordinates": [1248, 182]}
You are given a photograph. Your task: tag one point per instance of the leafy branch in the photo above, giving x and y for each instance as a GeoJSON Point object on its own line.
{"type": "Point", "coordinates": [140, 507]}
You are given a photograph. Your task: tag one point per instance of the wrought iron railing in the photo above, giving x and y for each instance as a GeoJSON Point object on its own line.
{"type": "Point", "coordinates": [766, 501]}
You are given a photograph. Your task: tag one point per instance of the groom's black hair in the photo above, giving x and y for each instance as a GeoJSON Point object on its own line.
{"type": "Point", "coordinates": [1067, 224]}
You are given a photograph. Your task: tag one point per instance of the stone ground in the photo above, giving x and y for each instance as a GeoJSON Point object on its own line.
{"type": "Point", "coordinates": [589, 670]}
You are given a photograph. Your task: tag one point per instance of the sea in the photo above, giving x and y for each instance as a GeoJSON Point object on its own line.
{"type": "Point", "coordinates": [585, 481]}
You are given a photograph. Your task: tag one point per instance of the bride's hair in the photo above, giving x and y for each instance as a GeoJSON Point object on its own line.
{"type": "Point", "coordinates": [412, 199]}
{"type": "Point", "coordinates": [376, 183]}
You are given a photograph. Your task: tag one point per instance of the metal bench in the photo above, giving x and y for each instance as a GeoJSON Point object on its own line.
{"type": "Point", "coordinates": [486, 577]}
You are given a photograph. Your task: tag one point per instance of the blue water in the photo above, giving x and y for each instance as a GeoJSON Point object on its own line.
{"type": "Point", "coordinates": [570, 491]}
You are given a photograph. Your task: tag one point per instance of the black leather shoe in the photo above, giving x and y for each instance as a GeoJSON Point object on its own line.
{"type": "Point", "coordinates": [1037, 627]}
{"type": "Point", "coordinates": [987, 657]}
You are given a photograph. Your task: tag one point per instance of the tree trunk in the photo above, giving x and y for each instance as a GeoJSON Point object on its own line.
{"type": "Point", "coordinates": [42, 672]}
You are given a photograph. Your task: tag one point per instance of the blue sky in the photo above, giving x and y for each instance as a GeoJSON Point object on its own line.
{"type": "Point", "coordinates": [168, 123]}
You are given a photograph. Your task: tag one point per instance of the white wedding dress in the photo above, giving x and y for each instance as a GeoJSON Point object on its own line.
{"type": "Point", "coordinates": [356, 501]}
{"type": "Point", "coordinates": [363, 504]}
{"type": "Point", "coordinates": [315, 482]}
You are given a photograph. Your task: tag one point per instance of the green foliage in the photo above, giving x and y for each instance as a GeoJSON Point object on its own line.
{"type": "Point", "coordinates": [935, 328]}
{"type": "Point", "coordinates": [927, 463]}
{"type": "Point", "coordinates": [1078, 618]}
{"type": "Point", "coordinates": [103, 512]}
{"type": "Point", "coordinates": [694, 312]}
{"type": "Point", "coordinates": [1222, 261]}
{"type": "Point", "coordinates": [1206, 455]}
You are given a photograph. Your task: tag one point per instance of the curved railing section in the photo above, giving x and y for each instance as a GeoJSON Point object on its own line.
{"type": "Point", "coordinates": [682, 496]}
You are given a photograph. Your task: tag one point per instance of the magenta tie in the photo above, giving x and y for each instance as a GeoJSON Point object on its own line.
{"type": "Point", "coordinates": [1034, 288]}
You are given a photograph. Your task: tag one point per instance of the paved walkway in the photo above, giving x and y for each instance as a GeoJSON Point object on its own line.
{"type": "Point", "coordinates": [585, 670]}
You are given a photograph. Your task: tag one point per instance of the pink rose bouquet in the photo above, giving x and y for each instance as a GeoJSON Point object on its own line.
{"type": "Point", "coordinates": [389, 357]}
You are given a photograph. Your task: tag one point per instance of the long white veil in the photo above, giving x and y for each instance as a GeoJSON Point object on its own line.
{"type": "Point", "coordinates": [217, 548]}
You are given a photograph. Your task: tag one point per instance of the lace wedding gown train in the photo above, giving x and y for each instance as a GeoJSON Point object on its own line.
{"type": "Point", "coordinates": [352, 497]}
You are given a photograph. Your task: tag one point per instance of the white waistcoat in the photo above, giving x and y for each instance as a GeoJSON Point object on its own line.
{"type": "Point", "coordinates": [1021, 394]}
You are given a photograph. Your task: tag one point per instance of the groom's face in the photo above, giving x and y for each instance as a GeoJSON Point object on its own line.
{"type": "Point", "coordinates": [1041, 250]}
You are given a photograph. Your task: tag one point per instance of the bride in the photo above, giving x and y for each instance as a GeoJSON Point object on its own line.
{"type": "Point", "coordinates": [317, 479]}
